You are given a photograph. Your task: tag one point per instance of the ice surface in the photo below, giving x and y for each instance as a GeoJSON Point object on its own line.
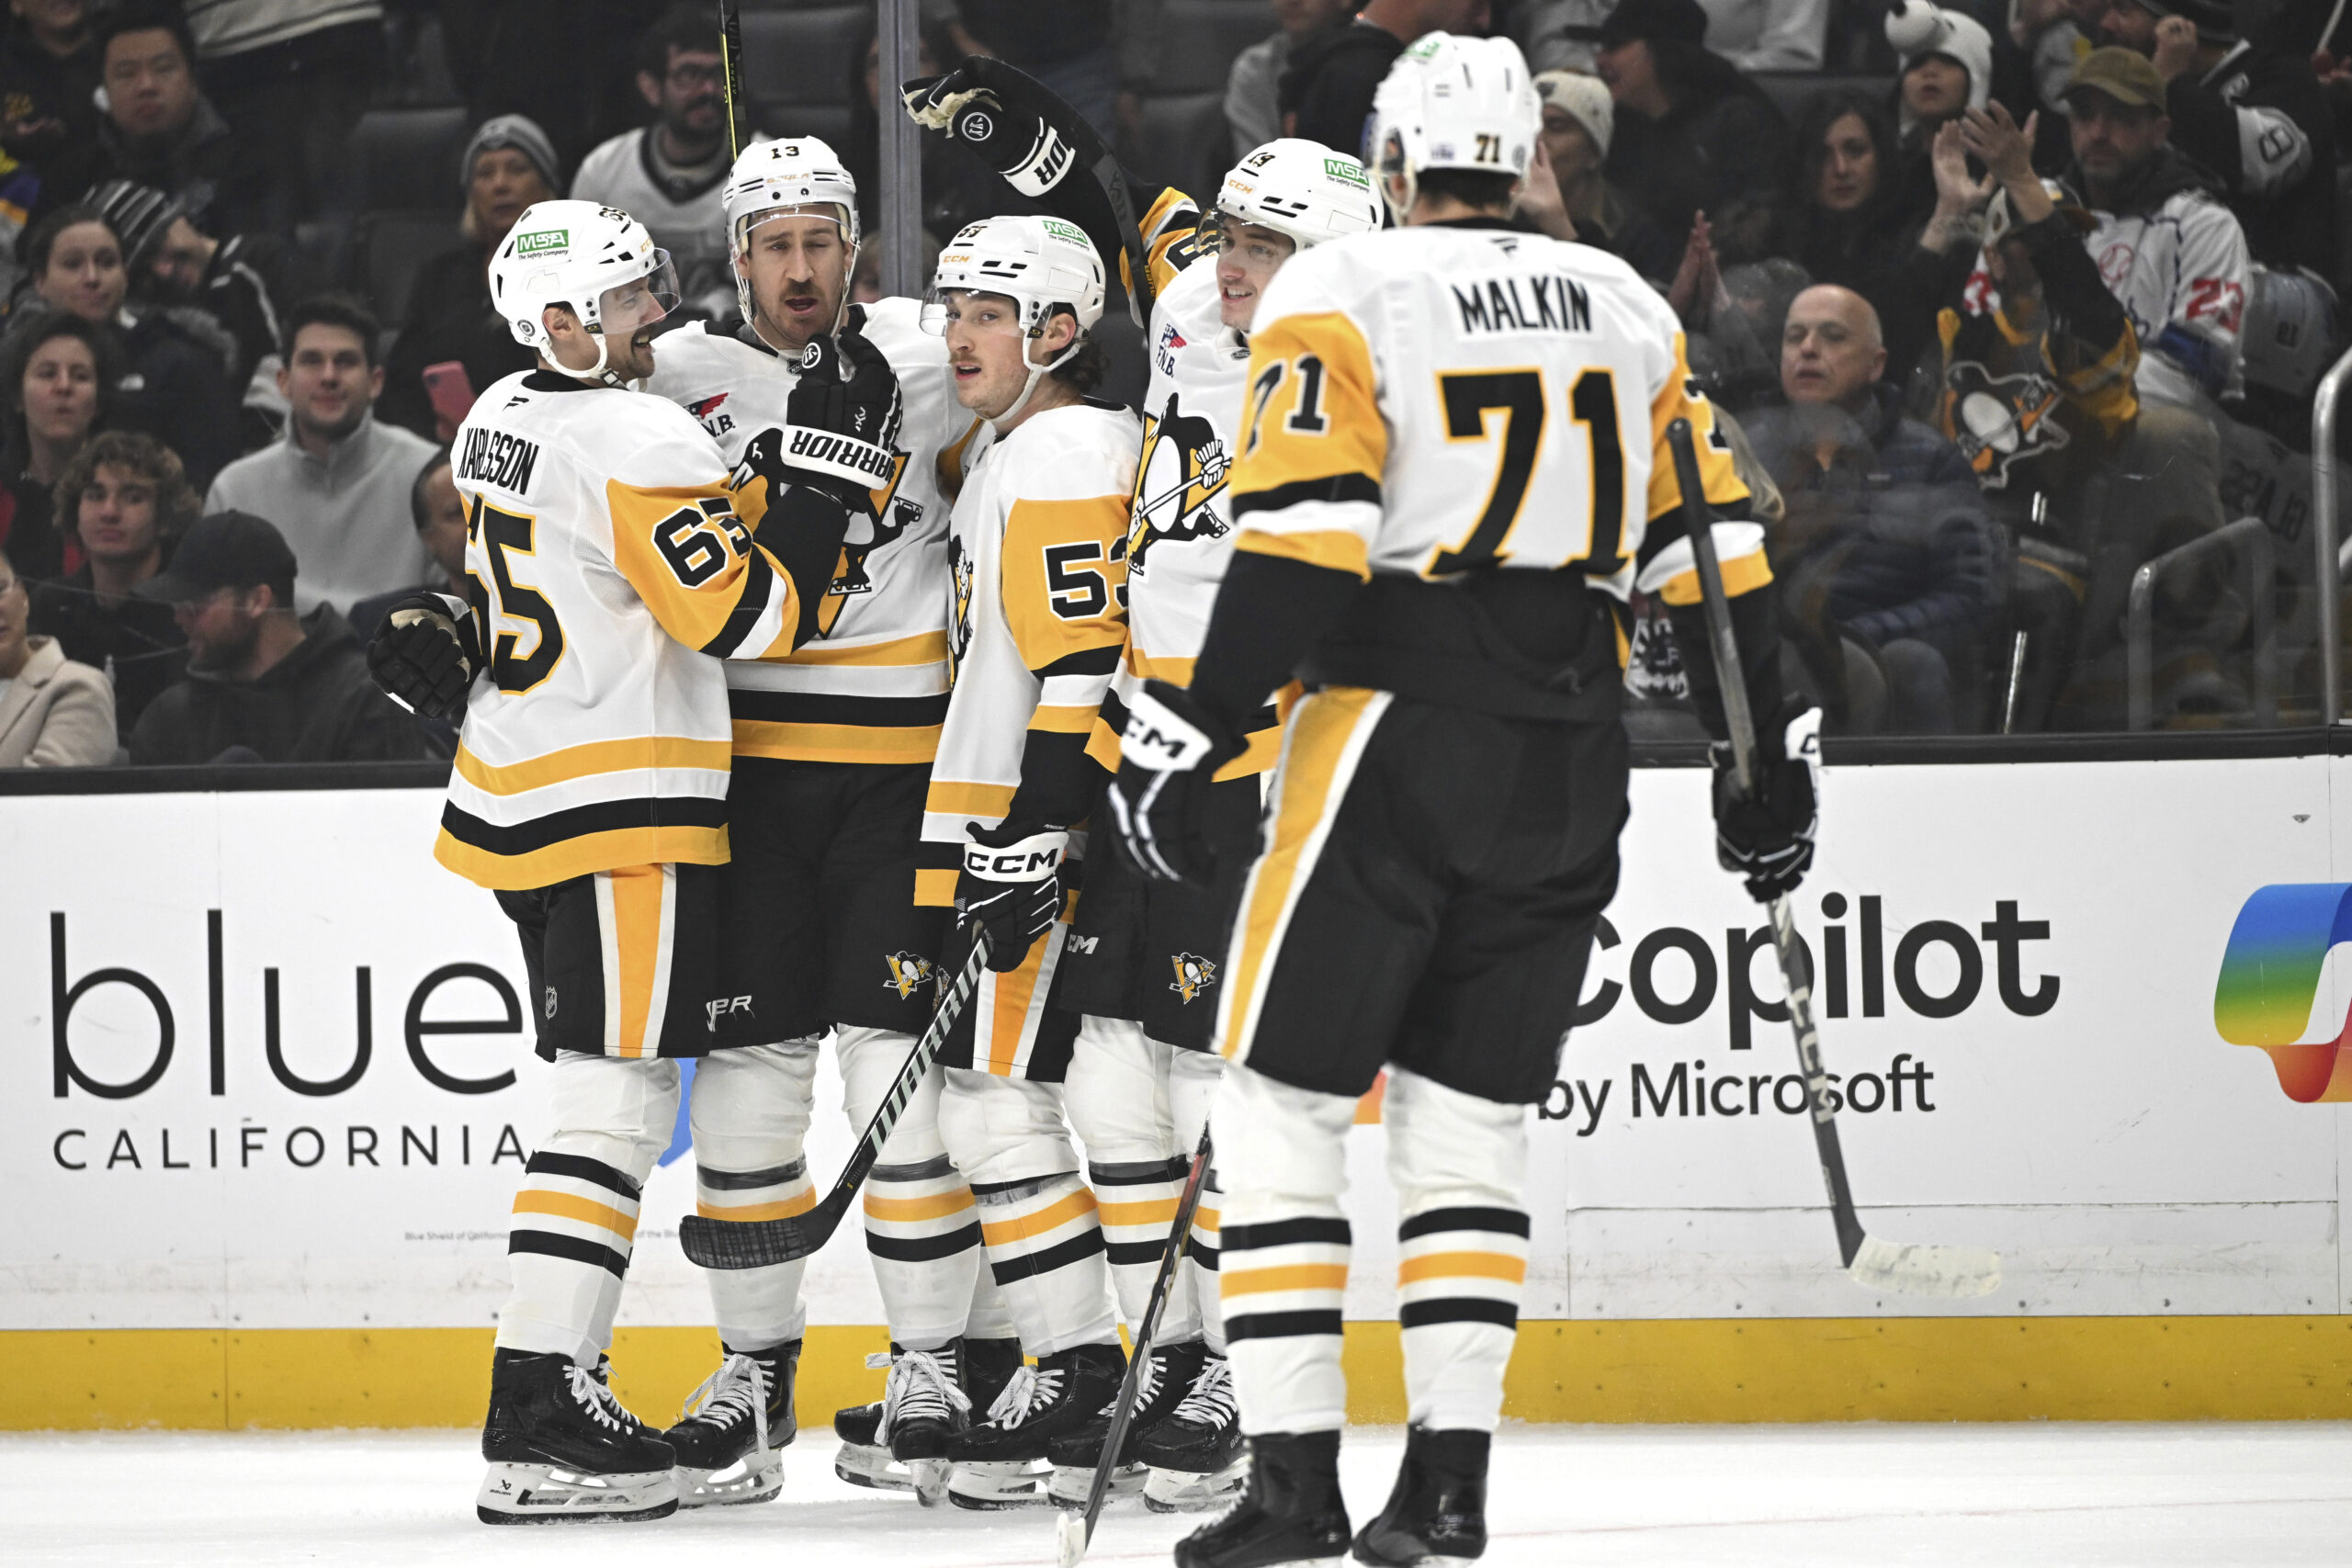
{"type": "Point", "coordinates": [2146, 1497]}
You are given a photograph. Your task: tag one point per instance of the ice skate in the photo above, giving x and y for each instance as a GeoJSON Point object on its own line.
{"type": "Point", "coordinates": [1195, 1457]}
{"type": "Point", "coordinates": [864, 1459]}
{"type": "Point", "coordinates": [1436, 1516]}
{"type": "Point", "coordinates": [562, 1449]}
{"type": "Point", "coordinates": [1005, 1461]}
{"type": "Point", "coordinates": [1290, 1514]}
{"type": "Point", "coordinates": [728, 1435]}
{"type": "Point", "coordinates": [1171, 1372]}
{"type": "Point", "coordinates": [922, 1409]}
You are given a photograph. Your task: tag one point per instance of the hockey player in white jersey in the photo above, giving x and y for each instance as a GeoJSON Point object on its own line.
{"type": "Point", "coordinates": [612, 562]}
{"type": "Point", "coordinates": [1453, 469]}
{"type": "Point", "coordinates": [833, 747]}
{"type": "Point", "coordinates": [1037, 554]}
{"type": "Point", "coordinates": [1145, 959]}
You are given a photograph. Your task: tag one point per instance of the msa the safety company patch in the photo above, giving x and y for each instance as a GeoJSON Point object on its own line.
{"type": "Point", "coordinates": [908, 971]}
{"type": "Point", "coordinates": [1194, 975]}
{"type": "Point", "coordinates": [545, 240]}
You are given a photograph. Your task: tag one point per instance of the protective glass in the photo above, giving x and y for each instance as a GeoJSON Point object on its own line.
{"type": "Point", "coordinates": [642, 301]}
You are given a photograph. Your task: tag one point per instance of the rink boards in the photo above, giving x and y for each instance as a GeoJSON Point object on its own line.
{"type": "Point", "coordinates": [273, 1090]}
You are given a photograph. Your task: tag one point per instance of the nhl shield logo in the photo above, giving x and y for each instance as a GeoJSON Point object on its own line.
{"type": "Point", "coordinates": [909, 970]}
{"type": "Point", "coordinates": [1193, 975]}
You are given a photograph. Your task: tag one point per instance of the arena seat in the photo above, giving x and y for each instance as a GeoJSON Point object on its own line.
{"type": "Point", "coordinates": [408, 159]}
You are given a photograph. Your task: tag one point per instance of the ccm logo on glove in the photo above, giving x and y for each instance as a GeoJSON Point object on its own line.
{"type": "Point", "coordinates": [1156, 738]}
{"type": "Point", "coordinates": [1033, 857]}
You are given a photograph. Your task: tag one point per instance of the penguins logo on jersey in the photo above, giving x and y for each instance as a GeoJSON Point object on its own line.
{"type": "Point", "coordinates": [1183, 467]}
{"type": "Point", "coordinates": [1999, 422]}
{"type": "Point", "coordinates": [1193, 974]}
{"type": "Point", "coordinates": [892, 517]}
{"type": "Point", "coordinates": [908, 971]}
{"type": "Point", "coordinates": [959, 635]}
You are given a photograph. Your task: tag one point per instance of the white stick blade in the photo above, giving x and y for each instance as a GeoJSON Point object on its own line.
{"type": "Point", "coordinates": [1916, 1270]}
{"type": "Point", "coordinates": [1070, 1538]}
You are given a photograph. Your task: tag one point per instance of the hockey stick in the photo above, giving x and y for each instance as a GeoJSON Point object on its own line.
{"type": "Point", "coordinates": [756, 1244]}
{"type": "Point", "coordinates": [731, 66]}
{"type": "Point", "coordinates": [1074, 1532]}
{"type": "Point", "coordinates": [1882, 1264]}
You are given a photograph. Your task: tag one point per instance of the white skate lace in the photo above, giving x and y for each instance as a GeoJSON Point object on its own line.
{"type": "Point", "coordinates": [919, 1389]}
{"type": "Point", "coordinates": [739, 1388]}
{"type": "Point", "coordinates": [602, 1404]}
{"type": "Point", "coordinates": [1029, 1392]}
{"type": "Point", "coordinates": [1211, 1403]}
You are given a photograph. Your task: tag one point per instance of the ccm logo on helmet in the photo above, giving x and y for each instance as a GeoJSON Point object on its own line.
{"type": "Point", "coordinates": [821, 446]}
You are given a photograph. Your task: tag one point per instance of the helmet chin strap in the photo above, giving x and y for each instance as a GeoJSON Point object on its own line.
{"type": "Point", "coordinates": [1036, 372]}
{"type": "Point", "coordinates": [596, 375]}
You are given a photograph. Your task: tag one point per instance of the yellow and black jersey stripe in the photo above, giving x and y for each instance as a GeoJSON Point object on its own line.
{"type": "Point", "coordinates": [1065, 576]}
{"type": "Point", "coordinates": [694, 562]}
{"type": "Point", "coordinates": [1313, 445]}
{"type": "Point", "coordinates": [1168, 227]}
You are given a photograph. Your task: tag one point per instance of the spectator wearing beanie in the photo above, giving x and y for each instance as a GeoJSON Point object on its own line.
{"type": "Point", "coordinates": [1692, 134]}
{"type": "Point", "coordinates": [1579, 121]}
{"type": "Point", "coordinates": [264, 684]}
{"type": "Point", "coordinates": [1946, 70]}
{"type": "Point", "coordinates": [336, 486]}
{"type": "Point", "coordinates": [2254, 115]}
{"type": "Point", "coordinates": [231, 283]}
{"type": "Point", "coordinates": [507, 165]}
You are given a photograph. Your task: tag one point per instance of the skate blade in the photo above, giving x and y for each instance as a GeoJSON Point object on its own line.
{"type": "Point", "coordinates": [1070, 1538]}
{"type": "Point", "coordinates": [742, 1481]}
{"type": "Point", "coordinates": [871, 1465]}
{"type": "Point", "coordinates": [1071, 1482]}
{"type": "Point", "coordinates": [1188, 1492]}
{"type": "Point", "coordinates": [548, 1494]}
{"type": "Point", "coordinates": [997, 1484]}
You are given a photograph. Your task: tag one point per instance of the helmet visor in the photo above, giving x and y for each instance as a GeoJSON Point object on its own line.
{"type": "Point", "coordinates": [977, 311]}
{"type": "Point", "coordinates": [626, 306]}
{"type": "Point", "coordinates": [1221, 230]}
{"type": "Point", "coordinates": [830, 212]}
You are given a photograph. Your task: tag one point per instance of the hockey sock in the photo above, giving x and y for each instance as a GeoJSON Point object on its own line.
{"type": "Point", "coordinates": [1138, 1202]}
{"type": "Point", "coordinates": [1459, 1164]}
{"type": "Point", "coordinates": [1283, 1248]}
{"type": "Point", "coordinates": [1045, 1248]}
{"type": "Point", "coordinates": [991, 1317]}
{"type": "Point", "coordinates": [1193, 1077]}
{"type": "Point", "coordinates": [923, 1235]}
{"type": "Point", "coordinates": [575, 1217]}
{"type": "Point", "coordinates": [751, 1113]}
{"type": "Point", "coordinates": [1200, 1261]}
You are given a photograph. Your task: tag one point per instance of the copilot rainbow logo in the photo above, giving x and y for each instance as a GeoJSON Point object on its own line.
{"type": "Point", "coordinates": [2269, 981]}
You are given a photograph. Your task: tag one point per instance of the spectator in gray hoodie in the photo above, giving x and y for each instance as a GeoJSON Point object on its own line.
{"type": "Point", "coordinates": [337, 485]}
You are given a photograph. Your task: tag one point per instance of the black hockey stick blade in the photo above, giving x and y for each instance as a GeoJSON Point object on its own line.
{"type": "Point", "coordinates": [756, 1244]}
{"type": "Point", "coordinates": [1948, 1271]}
{"type": "Point", "coordinates": [1074, 1531]}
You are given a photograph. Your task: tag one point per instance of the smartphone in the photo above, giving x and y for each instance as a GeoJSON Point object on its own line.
{"type": "Point", "coordinates": [451, 393]}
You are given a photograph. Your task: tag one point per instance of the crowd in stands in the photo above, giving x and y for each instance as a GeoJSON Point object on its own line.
{"type": "Point", "coordinates": [2012, 301]}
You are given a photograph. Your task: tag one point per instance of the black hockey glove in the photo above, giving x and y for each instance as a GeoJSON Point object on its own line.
{"type": "Point", "coordinates": [1768, 837]}
{"type": "Point", "coordinates": [840, 428]}
{"type": "Point", "coordinates": [423, 656]}
{"type": "Point", "coordinates": [1006, 116]}
{"type": "Point", "coordinates": [1167, 756]}
{"type": "Point", "coordinates": [1012, 887]}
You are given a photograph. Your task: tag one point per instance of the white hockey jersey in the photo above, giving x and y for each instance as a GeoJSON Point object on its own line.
{"type": "Point", "coordinates": [1038, 557]}
{"type": "Point", "coordinates": [608, 574]}
{"type": "Point", "coordinates": [1426, 401]}
{"type": "Point", "coordinates": [871, 686]}
{"type": "Point", "coordinates": [2181, 273]}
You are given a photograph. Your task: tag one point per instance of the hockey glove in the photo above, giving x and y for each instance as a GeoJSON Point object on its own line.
{"type": "Point", "coordinates": [423, 655]}
{"type": "Point", "coordinates": [840, 427]}
{"type": "Point", "coordinates": [1768, 837]}
{"type": "Point", "coordinates": [1167, 756]}
{"type": "Point", "coordinates": [1003, 114]}
{"type": "Point", "coordinates": [1012, 887]}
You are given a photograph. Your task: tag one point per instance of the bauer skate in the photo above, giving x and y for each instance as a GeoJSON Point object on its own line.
{"type": "Point", "coordinates": [1196, 1456]}
{"type": "Point", "coordinates": [1166, 1378]}
{"type": "Point", "coordinates": [561, 1448]}
{"type": "Point", "coordinates": [1437, 1513]}
{"type": "Point", "coordinates": [1004, 1463]}
{"type": "Point", "coordinates": [728, 1435]}
{"type": "Point", "coordinates": [1292, 1512]}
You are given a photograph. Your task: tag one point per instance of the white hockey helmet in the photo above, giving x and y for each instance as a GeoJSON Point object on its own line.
{"type": "Point", "coordinates": [1295, 187]}
{"type": "Point", "coordinates": [1041, 264]}
{"type": "Point", "coordinates": [2288, 337]}
{"type": "Point", "coordinates": [1454, 103]}
{"type": "Point", "coordinates": [571, 254]}
{"type": "Point", "coordinates": [773, 178]}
